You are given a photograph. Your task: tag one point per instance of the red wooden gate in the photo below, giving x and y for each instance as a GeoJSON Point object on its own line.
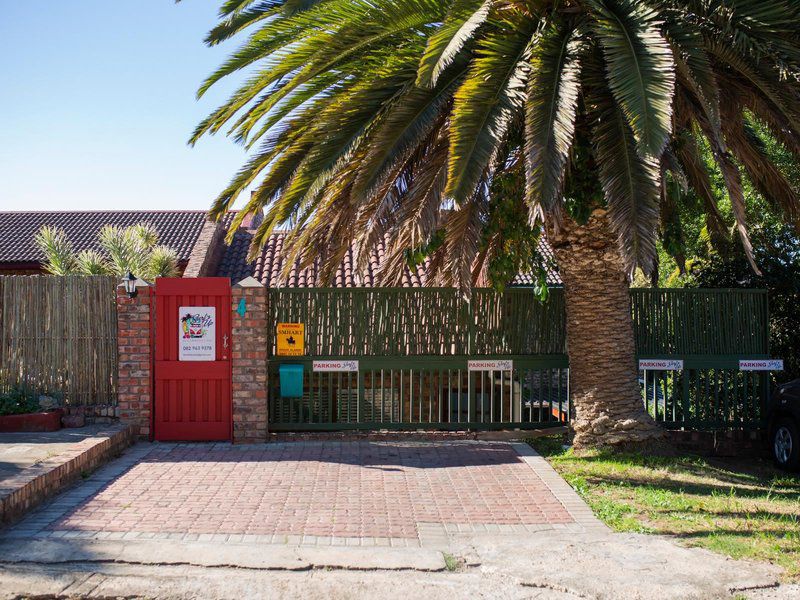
{"type": "Point", "coordinates": [192, 395]}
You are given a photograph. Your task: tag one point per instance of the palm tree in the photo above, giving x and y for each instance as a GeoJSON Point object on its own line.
{"type": "Point", "coordinates": [132, 249]}
{"type": "Point", "coordinates": [368, 117]}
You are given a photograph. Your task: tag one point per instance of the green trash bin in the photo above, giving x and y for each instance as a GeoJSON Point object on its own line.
{"type": "Point", "coordinates": [291, 378]}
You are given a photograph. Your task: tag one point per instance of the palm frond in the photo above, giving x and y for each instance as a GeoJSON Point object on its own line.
{"type": "Point", "coordinates": [733, 182]}
{"type": "Point", "coordinates": [241, 20]}
{"type": "Point", "coordinates": [550, 112]}
{"type": "Point", "coordinates": [672, 237]}
{"type": "Point", "coordinates": [761, 31]}
{"type": "Point", "coordinates": [640, 68]}
{"type": "Point", "coordinates": [762, 172]}
{"type": "Point", "coordinates": [463, 18]}
{"type": "Point", "coordinates": [630, 181]}
{"type": "Point", "coordinates": [484, 105]}
{"type": "Point", "coordinates": [767, 84]}
{"type": "Point", "coordinates": [406, 124]}
{"type": "Point", "coordinates": [463, 230]}
{"type": "Point", "coordinates": [688, 154]}
{"type": "Point", "coordinates": [420, 218]}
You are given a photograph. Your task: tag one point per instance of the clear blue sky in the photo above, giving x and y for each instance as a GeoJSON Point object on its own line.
{"type": "Point", "coordinates": [97, 100]}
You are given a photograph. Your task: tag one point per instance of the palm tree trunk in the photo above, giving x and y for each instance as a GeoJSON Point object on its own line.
{"type": "Point", "coordinates": [603, 371]}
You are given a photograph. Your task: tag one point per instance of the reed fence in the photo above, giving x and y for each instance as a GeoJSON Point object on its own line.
{"type": "Point", "coordinates": [58, 336]}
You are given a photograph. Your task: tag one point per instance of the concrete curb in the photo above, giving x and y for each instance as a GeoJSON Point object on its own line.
{"type": "Point", "coordinates": [205, 554]}
{"type": "Point", "coordinates": [568, 497]}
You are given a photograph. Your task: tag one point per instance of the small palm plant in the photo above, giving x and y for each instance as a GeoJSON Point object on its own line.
{"type": "Point", "coordinates": [57, 249]}
{"type": "Point", "coordinates": [123, 250]}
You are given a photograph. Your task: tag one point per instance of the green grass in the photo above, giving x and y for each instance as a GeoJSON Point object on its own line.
{"type": "Point", "coordinates": [450, 562]}
{"type": "Point", "coordinates": [743, 508]}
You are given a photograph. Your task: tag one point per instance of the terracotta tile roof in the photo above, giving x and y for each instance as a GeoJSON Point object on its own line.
{"type": "Point", "coordinates": [267, 267]}
{"type": "Point", "coordinates": [176, 229]}
{"type": "Point", "coordinates": [553, 277]}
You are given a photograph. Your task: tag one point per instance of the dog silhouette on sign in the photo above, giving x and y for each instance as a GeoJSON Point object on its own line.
{"type": "Point", "coordinates": [291, 341]}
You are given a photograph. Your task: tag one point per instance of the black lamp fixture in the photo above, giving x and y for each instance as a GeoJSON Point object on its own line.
{"type": "Point", "coordinates": [130, 284]}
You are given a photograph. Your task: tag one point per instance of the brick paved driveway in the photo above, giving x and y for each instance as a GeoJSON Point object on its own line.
{"type": "Point", "coordinates": [379, 490]}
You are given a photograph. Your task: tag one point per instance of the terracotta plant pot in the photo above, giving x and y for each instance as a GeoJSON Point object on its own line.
{"type": "Point", "coordinates": [32, 422]}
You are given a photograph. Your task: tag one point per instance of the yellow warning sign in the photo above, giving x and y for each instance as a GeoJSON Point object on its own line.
{"type": "Point", "coordinates": [291, 339]}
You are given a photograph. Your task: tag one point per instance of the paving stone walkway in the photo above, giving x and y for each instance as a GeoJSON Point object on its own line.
{"type": "Point", "coordinates": [322, 493]}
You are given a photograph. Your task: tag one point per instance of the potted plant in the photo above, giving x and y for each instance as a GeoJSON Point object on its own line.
{"type": "Point", "coordinates": [22, 410]}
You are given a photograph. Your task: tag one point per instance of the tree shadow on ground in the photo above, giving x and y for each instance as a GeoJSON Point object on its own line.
{"type": "Point", "coordinates": [751, 490]}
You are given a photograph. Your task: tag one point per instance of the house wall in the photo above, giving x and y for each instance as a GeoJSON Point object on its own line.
{"type": "Point", "coordinates": [21, 269]}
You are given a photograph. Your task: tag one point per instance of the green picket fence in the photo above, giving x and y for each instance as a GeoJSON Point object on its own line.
{"type": "Point", "coordinates": [680, 322]}
{"type": "Point", "coordinates": [413, 346]}
{"type": "Point", "coordinates": [427, 393]}
{"type": "Point", "coordinates": [706, 399]}
{"type": "Point", "coordinates": [420, 321]}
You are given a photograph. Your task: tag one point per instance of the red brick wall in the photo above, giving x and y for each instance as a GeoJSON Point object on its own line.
{"type": "Point", "coordinates": [134, 347]}
{"type": "Point", "coordinates": [249, 362]}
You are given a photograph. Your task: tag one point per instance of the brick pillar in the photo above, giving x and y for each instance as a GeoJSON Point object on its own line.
{"type": "Point", "coordinates": [134, 350]}
{"type": "Point", "coordinates": [249, 361]}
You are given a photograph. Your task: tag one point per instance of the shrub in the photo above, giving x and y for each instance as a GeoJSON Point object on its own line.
{"type": "Point", "coordinates": [18, 401]}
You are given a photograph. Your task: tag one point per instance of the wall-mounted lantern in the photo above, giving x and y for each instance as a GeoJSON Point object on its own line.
{"type": "Point", "coordinates": [130, 284]}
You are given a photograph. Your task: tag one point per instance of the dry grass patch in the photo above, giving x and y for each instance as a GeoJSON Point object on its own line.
{"type": "Point", "coordinates": [741, 508]}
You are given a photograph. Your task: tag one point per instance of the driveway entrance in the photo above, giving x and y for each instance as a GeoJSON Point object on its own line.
{"type": "Point", "coordinates": [387, 493]}
{"type": "Point", "coordinates": [456, 519]}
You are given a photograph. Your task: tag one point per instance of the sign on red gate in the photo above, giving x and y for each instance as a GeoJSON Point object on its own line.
{"type": "Point", "coordinates": [192, 394]}
{"type": "Point", "coordinates": [197, 333]}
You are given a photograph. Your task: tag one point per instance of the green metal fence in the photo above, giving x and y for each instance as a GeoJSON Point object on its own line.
{"type": "Point", "coordinates": [424, 392]}
{"type": "Point", "coordinates": [413, 348]}
{"type": "Point", "coordinates": [710, 330]}
{"type": "Point", "coordinates": [706, 399]}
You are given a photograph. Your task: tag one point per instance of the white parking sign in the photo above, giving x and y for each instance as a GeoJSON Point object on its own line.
{"type": "Point", "coordinates": [761, 365]}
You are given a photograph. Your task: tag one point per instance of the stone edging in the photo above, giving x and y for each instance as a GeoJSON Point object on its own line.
{"type": "Point", "coordinates": [569, 498]}
{"type": "Point", "coordinates": [35, 484]}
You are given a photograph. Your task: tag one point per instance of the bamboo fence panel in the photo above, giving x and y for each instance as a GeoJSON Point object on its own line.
{"type": "Point", "coordinates": [58, 336]}
{"type": "Point", "coordinates": [707, 322]}
{"type": "Point", "coordinates": [438, 322]}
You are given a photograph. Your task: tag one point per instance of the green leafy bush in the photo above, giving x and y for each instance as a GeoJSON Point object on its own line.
{"type": "Point", "coordinates": [18, 401]}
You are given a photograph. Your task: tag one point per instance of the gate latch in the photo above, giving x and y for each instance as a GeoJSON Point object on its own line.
{"type": "Point", "coordinates": [225, 341]}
